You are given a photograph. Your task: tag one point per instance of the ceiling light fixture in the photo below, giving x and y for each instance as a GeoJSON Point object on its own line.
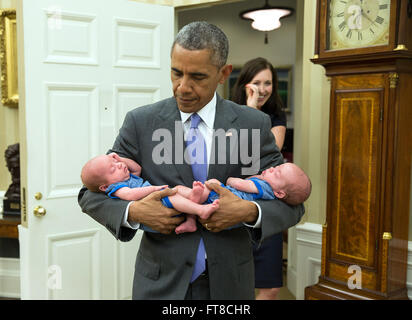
{"type": "Point", "coordinates": [266, 18]}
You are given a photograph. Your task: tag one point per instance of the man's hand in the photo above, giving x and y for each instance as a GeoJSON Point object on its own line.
{"type": "Point", "coordinates": [151, 212]}
{"type": "Point", "coordinates": [232, 210]}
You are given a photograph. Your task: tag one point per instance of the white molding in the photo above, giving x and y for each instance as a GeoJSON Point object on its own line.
{"type": "Point", "coordinates": [10, 277]}
{"type": "Point", "coordinates": [292, 257]}
{"type": "Point", "coordinates": [308, 248]}
{"type": "Point", "coordinates": [305, 270]}
{"type": "Point", "coordinates": [2, 193]}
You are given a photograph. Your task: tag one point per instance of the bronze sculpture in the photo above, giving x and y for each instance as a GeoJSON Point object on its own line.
{"type": "Point", "coordinates": [11, 203]}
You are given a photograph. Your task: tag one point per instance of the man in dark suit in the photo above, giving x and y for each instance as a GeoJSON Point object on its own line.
{"type": "Point", "coordinates": [165, 261]}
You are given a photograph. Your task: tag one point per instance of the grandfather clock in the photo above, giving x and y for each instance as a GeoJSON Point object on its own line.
{"type": "Point", "coordinates": [366, 49]}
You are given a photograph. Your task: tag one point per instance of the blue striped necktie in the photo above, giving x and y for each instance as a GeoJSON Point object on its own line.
{"type": "Point", "coordinates": [196, 148]}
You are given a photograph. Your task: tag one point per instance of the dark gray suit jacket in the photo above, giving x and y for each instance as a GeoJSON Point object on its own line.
{"type": "Point", "coordinates": [164, 263]}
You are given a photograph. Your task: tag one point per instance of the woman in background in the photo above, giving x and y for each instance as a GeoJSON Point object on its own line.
{"type": "Point", "coordinates": [257, 87]}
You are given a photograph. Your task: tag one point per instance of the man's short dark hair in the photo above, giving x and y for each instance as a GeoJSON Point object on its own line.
{"type": "Point", "coordinates": [201, 35]}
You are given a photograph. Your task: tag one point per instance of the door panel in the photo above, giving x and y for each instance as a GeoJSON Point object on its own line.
{"type": "Point", "coordinates": [356, 152]}
{"type": "Point", "coordinates": [85, 66]}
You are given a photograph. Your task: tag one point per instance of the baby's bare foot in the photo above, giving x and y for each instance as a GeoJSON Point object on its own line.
{"type": "Point", "coordinates": [197, 191]}
{"type": "Point", "coordinates": [188, 226]}
{"type": "Point", "coordinates": [208, 209]}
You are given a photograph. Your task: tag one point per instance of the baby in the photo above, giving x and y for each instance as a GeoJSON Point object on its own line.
{"type": "Point", "coordinates": [286, 182]}
{"type": "Point", "coordinates": [119, 177]}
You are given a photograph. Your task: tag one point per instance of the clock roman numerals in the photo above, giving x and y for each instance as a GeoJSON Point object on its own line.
{"type": "Point", "coordinates": [379, 19]}
{"type": "Point", "coordinates": [358, 23]}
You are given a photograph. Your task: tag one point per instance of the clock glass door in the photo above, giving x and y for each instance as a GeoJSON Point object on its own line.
{"type": "Point", "coordinates": [357, 23]}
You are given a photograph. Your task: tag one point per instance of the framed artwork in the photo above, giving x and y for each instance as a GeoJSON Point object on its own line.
{"type": "Point", "coordinates": [8, 56]}
{"type": "Point", "coordinates": [284, 84]}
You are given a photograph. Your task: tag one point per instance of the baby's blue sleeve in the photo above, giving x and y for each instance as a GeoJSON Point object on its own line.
{"type": "Point", "coordinates": [114, 187]}
{"type": "Point", "coordinates": [264, 188]}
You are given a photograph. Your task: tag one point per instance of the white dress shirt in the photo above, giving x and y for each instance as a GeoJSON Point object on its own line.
{"type": "Point", "coordinates": [207, 114]}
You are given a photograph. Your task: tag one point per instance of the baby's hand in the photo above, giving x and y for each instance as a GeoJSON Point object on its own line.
{"type": "Point", "coordinates": [230, 181]}
{"type": "Point", "coordinates": [158, 188]}
{"type": "Point", "coordinates": [115, 156]}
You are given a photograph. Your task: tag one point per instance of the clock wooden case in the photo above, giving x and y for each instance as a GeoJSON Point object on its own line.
{"type": "Point", "coordinates": [365, 237]}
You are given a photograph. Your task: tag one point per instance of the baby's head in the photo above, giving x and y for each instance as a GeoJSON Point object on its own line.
{"type": "Point", "coordinates": [289, 183]}
{"type": "Point", "coordinates": [100, 172]}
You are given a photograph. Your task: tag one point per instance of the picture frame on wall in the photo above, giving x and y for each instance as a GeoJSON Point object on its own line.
{"type": "Point", "coordinates": [285, 86]}
{"type": "Point", "coordinates": [284, 74]}
{"type": "Point", "coordinates": [8, 57]}
{"type": "Point", "coordinates": [230, 82]}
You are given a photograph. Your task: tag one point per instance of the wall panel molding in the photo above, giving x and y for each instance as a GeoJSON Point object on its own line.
{"type": "Point", "coordinates": [71, 38]}
{"type": "Point", "coordinates": [136, 44]}
{"type": "Point", "coordinates": [79, 103]}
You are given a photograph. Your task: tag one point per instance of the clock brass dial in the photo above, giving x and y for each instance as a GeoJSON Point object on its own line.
{"type": "Point", "coordinates": [358, 23]}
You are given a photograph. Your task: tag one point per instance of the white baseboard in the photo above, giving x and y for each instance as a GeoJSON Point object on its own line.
{"type": "Point", "coordinates": [308, 260]}
{"type": "Point", "coordinates": [2, 193]}
{"type": "Point", "coordinates": [10, 277]}
{"type": "Point", "coordinates": [306, 269]}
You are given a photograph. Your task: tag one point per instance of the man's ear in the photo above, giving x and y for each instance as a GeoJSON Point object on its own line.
{"type": "Point", "coordinates": [280, 194]}
{"type": "Point", "coordinates": [226, 71]}
{"type": "Point", "coordinates": [103, 187]}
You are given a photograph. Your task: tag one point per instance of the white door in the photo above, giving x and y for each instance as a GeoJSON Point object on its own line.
{"type": "Point", "coordinates": [83, 65]}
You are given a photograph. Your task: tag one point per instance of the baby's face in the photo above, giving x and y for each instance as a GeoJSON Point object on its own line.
{"type": "Point", "coordinates": [112, 170]}
{"type": "Point", "coordinates": [278, 177]}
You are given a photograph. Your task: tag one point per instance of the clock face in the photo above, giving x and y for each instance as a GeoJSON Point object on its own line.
{"type": "Point", "coordinates": [358, 23]}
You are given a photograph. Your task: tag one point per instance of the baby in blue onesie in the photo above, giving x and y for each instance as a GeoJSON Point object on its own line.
{"type": "Point", "coordinates": [119, 178]}
{"type": "Point", "coordinates": [286, 182]}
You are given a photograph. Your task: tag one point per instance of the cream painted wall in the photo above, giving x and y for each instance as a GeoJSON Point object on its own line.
{"type": "Point", "coordinates": [9, 134]}
{"type": "Point", "coordinates": [245, 42]}
{"type": "Point", "coordinates": [9, 124]}
{"type": "Point", "coordinates": [312, 114]}
{"type": "Point", "coordinates": [182, 3]}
